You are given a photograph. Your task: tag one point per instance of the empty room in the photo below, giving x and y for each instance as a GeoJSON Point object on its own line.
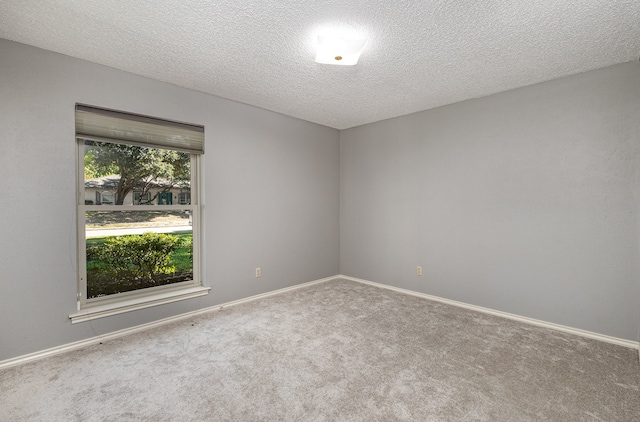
{"type": "Point", "coordinates": [320, 211]}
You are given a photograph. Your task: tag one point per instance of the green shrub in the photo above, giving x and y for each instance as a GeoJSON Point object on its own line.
{"type": "Point", "coordinates": [140, 256]}
{"type": "Point", "coordinates": [187, 243]}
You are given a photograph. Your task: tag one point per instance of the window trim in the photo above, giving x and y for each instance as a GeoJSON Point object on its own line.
{"type": "Point", "coordinates": [83, 301]}
{"type": "Point", "coordinates": [135, 303]}
{"type": "Point", "coordinates": [93, 308]}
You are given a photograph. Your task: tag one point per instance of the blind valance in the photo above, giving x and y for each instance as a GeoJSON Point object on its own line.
{"type": "Point", "coordinates": [104, 125]}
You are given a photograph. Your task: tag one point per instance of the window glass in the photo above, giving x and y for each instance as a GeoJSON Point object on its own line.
{"type": "Point", "coordinates": [184, 198]}
{"type": "Point", "coordinates": [137, 231]}
{"type": "Point", "coordinates": [141, 198]}
{"type": "Point", "coordinates": [132, 250]}
{"type": "Point", "coordinates": [133, 175]}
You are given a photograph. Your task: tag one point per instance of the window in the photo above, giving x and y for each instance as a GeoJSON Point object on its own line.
{"type": "Point", "coordinates": [107, 198]}
{"type": "Point", "coordinates": [136, 247]}
{"type": "Point", "coordinates": [140, 197]}
{"type": "Point", "coordinates": [184, 198]}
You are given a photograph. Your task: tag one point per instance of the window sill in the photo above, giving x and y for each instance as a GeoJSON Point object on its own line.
{"type": "Point", "coordinates": [102, 311]}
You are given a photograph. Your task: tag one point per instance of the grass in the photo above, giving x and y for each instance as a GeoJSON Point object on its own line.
{"type": "Point", "coordinates": [182, 257]}
{"type": "Point", "coordinates": [126, 219]}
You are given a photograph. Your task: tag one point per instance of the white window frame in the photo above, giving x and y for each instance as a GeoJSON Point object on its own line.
{"type": "Point", "coordinates": [88, 309]}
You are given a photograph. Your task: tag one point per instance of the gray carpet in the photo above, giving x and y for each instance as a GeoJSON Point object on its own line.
{"type": "Point", "coordinates": [334, 351]}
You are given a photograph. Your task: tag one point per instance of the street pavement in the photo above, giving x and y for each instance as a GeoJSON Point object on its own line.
{"type": "Point", "coordinates": [120, 232]}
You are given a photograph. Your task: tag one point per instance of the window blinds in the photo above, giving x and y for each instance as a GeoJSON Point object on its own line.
{"type": "Point", "coordinates": [104, 125]}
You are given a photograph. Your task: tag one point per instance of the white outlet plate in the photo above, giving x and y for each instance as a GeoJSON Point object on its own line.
{"type": "Point", "coordinates": [258, 272]}
{"type": "Point", "coordinates": [418, 270]}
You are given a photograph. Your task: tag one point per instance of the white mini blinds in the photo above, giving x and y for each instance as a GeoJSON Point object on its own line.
{"type": "Point", "coordinates": [104, 125]}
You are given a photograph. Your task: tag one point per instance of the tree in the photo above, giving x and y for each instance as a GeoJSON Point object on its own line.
{"type": "Point", "coordinates": [138, 167]}
{"type": "Point", "coordinates": [91, 170]}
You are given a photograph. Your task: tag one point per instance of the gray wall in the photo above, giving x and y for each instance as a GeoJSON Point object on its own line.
{"type": "Point", "coordinates": [271, 189]}
{"type": "Point", "coordinates": [524, 201]}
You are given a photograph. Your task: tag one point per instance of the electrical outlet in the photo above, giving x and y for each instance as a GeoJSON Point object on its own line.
{"type": "Point", "coordinates": [418, 270]}
{"type": "Point", "coordinates": [258, 272]}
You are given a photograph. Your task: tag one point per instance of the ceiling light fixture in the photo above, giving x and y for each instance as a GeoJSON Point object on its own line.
{"type": "Point", "coordinates": [339, 50]}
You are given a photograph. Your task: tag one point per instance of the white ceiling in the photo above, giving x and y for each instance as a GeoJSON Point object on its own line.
{"type": "Point", "coordinates": [419, 54]}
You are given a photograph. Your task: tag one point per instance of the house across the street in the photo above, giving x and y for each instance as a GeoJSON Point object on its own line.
{"type": "Point", "coordinates": [102, 190]}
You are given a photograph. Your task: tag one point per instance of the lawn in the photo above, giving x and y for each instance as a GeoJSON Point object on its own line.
{"type": "Point", "coordinates": [135, 219]}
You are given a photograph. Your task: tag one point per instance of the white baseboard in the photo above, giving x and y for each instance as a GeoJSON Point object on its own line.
{"type": "Point", "coordinates": [275, 292]}
{"type": "Point", "coordinates": [127, 331]}
{"type": "Point", "coordinates": [576, 331]}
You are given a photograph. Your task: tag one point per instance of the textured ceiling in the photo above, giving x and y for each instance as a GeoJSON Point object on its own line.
{"type": "Point", "coordinates": [419, 54]}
